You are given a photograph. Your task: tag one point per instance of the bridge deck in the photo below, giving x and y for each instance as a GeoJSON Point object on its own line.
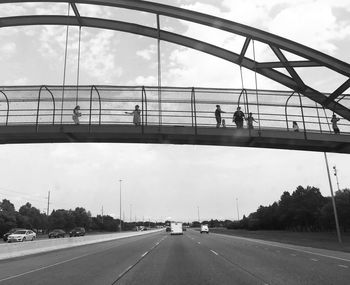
{"type": "Point", "coordinates": [266, 138]}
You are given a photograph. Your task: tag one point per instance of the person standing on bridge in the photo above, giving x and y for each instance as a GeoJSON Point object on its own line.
{"type": "Point", "coordinates": [137, 115]}
{"type": "Point", "coordinates": [238, 118]}
{"type": "Point", "coordinates": [250, 121]}
{"type": "Point", "coordinates": [295, 126]}
{"type": "Point", "coordinates": [76, 115]}
{"type": "Point", "coordinates": [218, 112]}
{"type": "Point", "coordinates": [335, 125]}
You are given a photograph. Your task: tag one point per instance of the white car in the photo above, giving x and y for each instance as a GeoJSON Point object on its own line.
{"type": "Point", "coordinates": [22, 235]}
{"type": "Point", "coordinates": [204, 229]}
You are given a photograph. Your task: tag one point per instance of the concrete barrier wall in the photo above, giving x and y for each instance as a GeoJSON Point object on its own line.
{"type": "Point", "coordinates": [10, 250]}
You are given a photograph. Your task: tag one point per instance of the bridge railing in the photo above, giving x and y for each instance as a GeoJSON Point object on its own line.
{"type": "Point", "coordinates": [193, 107]}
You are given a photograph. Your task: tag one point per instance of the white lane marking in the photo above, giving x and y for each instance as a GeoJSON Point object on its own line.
{"type": "Point", "coordinates": [157, 243]}
{"type": "Point", "coordinates": [199, 242]}
{"type": "Point", "coordinates": [343, 266]}
{"type": "Point", "coordinates": [214, 252]}
{"type": "Point", "coordinates": [313, 259]}
{"type": "Point", "coordinates": [144, 254]}
{"type": "Point", "coordinates": [126, 270]}
{"type": "Point", "coordinates": [293, 254]}
{"type": "Point", "coordinates": [286, 247]}
{"type": "Point", "coordinates": [44, 267]}
{"type": "Point", "coordinates": [52, 265]}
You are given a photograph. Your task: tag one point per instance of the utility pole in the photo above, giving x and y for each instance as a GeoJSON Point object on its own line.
{"type": "Point", "coordinates": [120, 205]}
{"type": "Point", "coordinates": [333, 200]}
{"type": "Point", "coordinates": [336, 176]}
{"type": "Point", "coordinates": [48, 204]}
{"type": "Point", "coordinates": [237, 208]}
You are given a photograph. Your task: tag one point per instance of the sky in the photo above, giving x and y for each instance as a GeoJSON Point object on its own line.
{"type": "Point", "coordinates": [164, 181]}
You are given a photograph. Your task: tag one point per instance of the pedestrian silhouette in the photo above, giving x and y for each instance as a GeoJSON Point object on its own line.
{"type": "Point", "coordinates": [218, 112]}
{"type": "Point", "coordinates": [137, 115]}
{"type": "Point", "coordinates": [335, 124]}
{"type": "Point", "coordinates": [250, 121]}
{"type": "Point", "coordinates": [238, 118]}
{"type": "Point", "coordinates": [223, 122]}
{"type": "Point", "coordinates": [76, 115]}
{"type": "Point", "coordinates": [295, 126]}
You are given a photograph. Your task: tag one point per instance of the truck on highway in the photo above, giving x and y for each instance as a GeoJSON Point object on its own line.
{"type": "Point", "coordinates": [176, 228]}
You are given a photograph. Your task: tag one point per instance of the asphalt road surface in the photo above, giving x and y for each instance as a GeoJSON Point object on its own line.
{"type": "Point", "coordinates": [159, 258]}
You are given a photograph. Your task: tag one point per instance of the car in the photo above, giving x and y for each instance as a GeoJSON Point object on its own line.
{"type": "Point", "coordinates": [167, 229]}
{"type": "Point", "coordinates": [77, 232]}
{"type": "Point", "coordinates": [21, 235]}
{"type": "Point", "coordinates": [5, 236]}
{"type": "Point", "coordinates": [204, 229]}
{"type": "Point", "coordinates": [57, 233]}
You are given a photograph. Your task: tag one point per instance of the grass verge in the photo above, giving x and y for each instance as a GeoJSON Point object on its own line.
{"type": "Point", "coordinates": [325, 240]}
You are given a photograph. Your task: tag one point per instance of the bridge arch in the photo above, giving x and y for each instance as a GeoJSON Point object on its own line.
{"type": "Point", "coordinates": [277, 44]}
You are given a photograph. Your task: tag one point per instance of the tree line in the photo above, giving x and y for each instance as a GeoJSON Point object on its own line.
{"type": "Point", "coordinates": [30, 217]}
{"type": "Point", "coordinates": [306, 209]}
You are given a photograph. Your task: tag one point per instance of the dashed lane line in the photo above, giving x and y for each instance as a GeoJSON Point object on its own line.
{"type": "Point", "coordinates": [285, 247]}
{"type": "Point", "coordinates": [343, 266]}
{"type": "Point", "coordinates": [313, 259]}
{"type": "Point", "coordinates": [214, 252]}
{"type": "Point", "coordinates": [43, 268]}
{"type": "Point", "coordinates": [121, 275]}
{"type": "Point", "coordinates": [54, 264]}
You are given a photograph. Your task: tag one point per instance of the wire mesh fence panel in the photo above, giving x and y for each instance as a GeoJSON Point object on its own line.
{"type": "Point", "coordinates": [168, 106]}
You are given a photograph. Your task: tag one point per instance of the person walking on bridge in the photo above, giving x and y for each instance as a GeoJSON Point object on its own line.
{"type": "Point", "coordinates": [250, 121]}
{"type": "Point", "coordinates": [218, 112]}
{"type": "Point", "coordinates": [137, 115]}
{"type": "Point", "coordinates": [335, 124]}
{"type": "Point", "coordinates": [238, 118]}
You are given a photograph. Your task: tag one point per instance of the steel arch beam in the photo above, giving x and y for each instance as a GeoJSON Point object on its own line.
{"type": "Point", "coordinates": [313, 57]}
{"type": "Point", "coordinates": [180, 40]}
{"type": "Point", "coordinates": [215, 22]}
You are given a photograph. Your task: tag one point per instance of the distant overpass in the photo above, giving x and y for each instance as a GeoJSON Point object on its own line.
{"type": "Point", "coordinates": [37, 114]}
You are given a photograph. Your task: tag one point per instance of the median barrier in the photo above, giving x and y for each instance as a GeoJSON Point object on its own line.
{"type": "Point", "coordinates": [10, 250]}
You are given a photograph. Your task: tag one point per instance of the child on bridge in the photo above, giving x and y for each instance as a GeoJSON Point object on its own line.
{"type": "Point", "coordinates": [137, 115]}
{"type": "Point", "coordinates": [76, 115]}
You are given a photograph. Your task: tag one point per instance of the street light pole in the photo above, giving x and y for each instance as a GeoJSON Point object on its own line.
{"type": "Point", "coordinates": [336, 176]}
{"type": "Point", "coordinates": [130, 213]}
{"type": "Point", "coordinates": [237, 208]}
{"type": "Point", "coordinates": [120, 205]}
{"type": "Point", "coordinates": [199, 221]}
{"type": "Point", "coordinates": [333, 200]}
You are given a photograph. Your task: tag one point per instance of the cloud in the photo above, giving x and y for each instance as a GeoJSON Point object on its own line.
{"type": "Point", "coordinates": [144, 80]}
{"type": "Point", "coordinates": [297, 21]}
{"type": "Point", "coordinates": [148, 53]}
{"type": "Point", "coordinates": [17, 81]}
{"type": "Point", "coordinates": [8, 49]}
{"type": "Point", "coordinates": [317, 30]}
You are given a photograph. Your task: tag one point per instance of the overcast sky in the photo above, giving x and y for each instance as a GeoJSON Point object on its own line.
{"type": "Point", "coordinates": [162, 181]}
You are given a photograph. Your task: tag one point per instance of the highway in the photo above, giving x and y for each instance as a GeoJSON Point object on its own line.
{"type": "Point", "coordinates": [159, 258]}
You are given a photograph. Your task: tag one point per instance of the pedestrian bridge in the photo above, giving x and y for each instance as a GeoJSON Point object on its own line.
{"type": "Point", "coordinates": [43, 114]}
